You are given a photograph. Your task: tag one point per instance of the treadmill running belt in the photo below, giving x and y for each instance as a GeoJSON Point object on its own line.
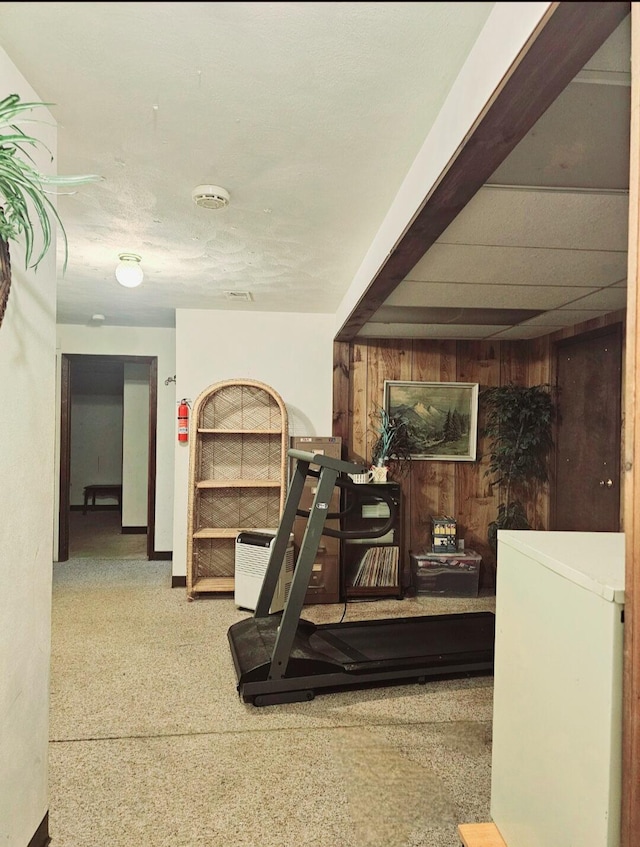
{"type": "Point", "coordinates": [407, 638]}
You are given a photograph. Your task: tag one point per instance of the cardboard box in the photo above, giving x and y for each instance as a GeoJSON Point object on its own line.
{"type": "Point", "coordinates": [321, 445]}
{"type": "Point", "coordinates": [446, 574]}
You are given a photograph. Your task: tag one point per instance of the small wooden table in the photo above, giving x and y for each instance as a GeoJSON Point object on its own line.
{"type": "Point", "coordinates": [93, 491]}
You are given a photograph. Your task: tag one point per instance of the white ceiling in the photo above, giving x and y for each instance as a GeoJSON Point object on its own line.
{"type": "Point", "coordinates": [310, 115]}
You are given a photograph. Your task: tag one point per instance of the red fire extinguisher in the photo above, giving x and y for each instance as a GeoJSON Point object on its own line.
{"type": "Point", "coordinates": [183, 420]}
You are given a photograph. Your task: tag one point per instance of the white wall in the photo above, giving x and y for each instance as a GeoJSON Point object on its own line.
{"type": "Point", "coordinates": [292, 353]}
{"type": "Point", "coordinates": [96, 444]}
{"type": "Point", "coordinates": [135, 444]}
{"type": "Point", "coordinates": [506, 31]}
{"type": "Point", "coordinates": [27, 357]}
{"type": "Point", "coordinates": [136, 341]}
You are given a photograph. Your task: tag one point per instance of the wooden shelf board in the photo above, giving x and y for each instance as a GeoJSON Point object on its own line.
{"type": "Point", "coordinates": [238, 483]}
{"type": "Point", "coordinates": [211, 584]}
{"type": "Point", "coordinates": [207, 431]}
{"type": "Point", "coordinates": [480, 835]}
{"type": "Point", "coordinates": [226, 532]}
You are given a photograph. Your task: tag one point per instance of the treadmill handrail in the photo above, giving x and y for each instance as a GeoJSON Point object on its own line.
{"type": "Point", "coordinates": [330, 470]}
{"type": "Point", "coordinates": [361, 488]}
{"type": "Point", "coordinates": [326, 461]}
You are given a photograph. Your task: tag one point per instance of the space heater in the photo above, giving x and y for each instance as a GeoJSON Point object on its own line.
{"type": "Point", "coordinates": [253, 549]}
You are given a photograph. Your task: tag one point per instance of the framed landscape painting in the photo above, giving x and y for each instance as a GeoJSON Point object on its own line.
{"type": "Point", "coordinates": [443, 417]}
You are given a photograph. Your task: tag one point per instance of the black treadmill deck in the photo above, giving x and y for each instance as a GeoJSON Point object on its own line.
{"type": "Point", "coordinates": [359, 653]}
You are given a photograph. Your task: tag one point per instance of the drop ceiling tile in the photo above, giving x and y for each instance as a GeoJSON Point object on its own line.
{"type": "Point", "coordinates": [567, 147]}
{"type": "Point", "coordinates": [477, 316]}
{"type": "Point", "coordinates": [608, 298]}
{"type": "Point", "coordinates": [482, 295]}
{"type": "Point", "coordinates": [614, 54]}
{"type": "Point", "coordinates": [450, 331]}
{"type": "Point", "coordinates": [516, 266]}
{"type": "Point", "coordinates": [565, 317]}
{"type": "Point", "coordinates": [521, 333]}
{"type": "Point", "coordinates": [515, 217]}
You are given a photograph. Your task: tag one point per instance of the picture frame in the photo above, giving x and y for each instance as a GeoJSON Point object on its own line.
{"type": "Point", "coordinates": [443, 415]}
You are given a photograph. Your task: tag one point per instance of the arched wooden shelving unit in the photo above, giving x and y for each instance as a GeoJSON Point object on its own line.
{"type": "Point", "coordinates": [237, 476]}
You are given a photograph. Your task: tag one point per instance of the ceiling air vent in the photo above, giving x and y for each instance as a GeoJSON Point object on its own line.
{"type": "Point", "coordinates": [210, 196]}
{"type": "Point", "coordinates": [238, 295]}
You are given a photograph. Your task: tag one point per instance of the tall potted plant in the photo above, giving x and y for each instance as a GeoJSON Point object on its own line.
{"type": "Point", "coordinates": [518, 424]}
{"type": "Point", "coordinates": [26, 208]}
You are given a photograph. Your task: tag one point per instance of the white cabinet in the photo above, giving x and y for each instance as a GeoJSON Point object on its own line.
{"type": "Point", "coordinates": [557, 717]}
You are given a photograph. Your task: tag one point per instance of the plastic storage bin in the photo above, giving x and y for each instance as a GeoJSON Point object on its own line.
{"type": "Point", "coordinates": [446, 574]}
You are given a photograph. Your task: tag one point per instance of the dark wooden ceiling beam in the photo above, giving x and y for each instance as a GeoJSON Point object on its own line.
{"type": "Point", "coordinates": [567, 37]}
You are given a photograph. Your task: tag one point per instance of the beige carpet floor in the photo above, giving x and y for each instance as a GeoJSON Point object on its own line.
{"type": "Point", "coordinates": [152, 747]}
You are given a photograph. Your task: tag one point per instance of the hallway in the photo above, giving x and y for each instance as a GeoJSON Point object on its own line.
{"type": "Point", "coordinates": [151, 746]}
{"type": "Point", "coordinates": [99, 534]}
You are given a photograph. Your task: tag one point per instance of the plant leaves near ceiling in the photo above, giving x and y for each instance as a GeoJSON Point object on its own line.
{"type": "Point", "coordinates": [26, 209]}
{"type": "Point", "coordinates": [25, 204]}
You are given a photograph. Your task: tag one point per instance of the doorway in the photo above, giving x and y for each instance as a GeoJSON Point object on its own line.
{"type": "Point", "coordinates": [104, 393]}
{"type": "Point", "coordinates": [586, 491]}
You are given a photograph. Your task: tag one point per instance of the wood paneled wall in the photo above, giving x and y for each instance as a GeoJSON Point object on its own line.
{"type": "Point", "coordinates": [460, 489]}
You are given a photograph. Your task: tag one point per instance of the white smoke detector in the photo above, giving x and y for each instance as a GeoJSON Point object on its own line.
{"type": "Point", "coordinates": [210, 196]}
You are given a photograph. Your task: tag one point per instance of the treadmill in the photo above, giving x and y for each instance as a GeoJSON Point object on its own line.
{"type": "Point", "coordinates": [282, 658]}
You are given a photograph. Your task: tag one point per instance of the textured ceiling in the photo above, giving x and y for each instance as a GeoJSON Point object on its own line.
{"type": "Point", "coordinates": [309, 114]}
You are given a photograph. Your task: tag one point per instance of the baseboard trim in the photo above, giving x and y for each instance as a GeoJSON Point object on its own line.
{"type": "Point", "coordinates": [134, 530]}
{"type": "Point", "coordinates": [41, 836]}
{"type": "Point", "coordinates": [162, 555]}
{"type": "Point", "coordinates": [178, 582]}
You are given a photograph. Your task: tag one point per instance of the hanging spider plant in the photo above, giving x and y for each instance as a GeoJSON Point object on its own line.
{"type": "Point", "coordinates": [25, 204]}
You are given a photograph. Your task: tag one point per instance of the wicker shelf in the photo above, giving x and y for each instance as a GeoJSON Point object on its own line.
{"type": "Point", "coordinates": [239, 431]}
{"type": "Point", "coordinates": [239, 483]}
{"type": "Point", "coordinates": [237, 476]}
{"type": "Point", "coordinates": [230, 532]}
{"type": "Point", "coordinates": [214, 585]}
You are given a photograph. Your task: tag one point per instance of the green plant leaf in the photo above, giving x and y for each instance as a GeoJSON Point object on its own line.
{"type": "Point", "coordinates": [24, 199]}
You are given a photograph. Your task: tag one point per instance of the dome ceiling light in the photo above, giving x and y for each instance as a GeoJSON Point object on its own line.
{"type": "Point", "coordinates": [210, 197]}
{"type": "Point", "coordinates": [129, 270]}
